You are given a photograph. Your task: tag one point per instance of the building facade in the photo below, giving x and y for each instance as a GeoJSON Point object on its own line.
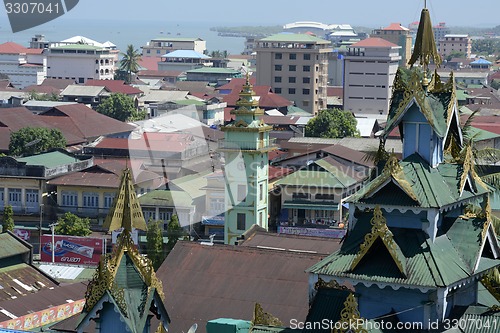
{"type": "Point", "coordinates": [245, 147]}
{"type": "Point", "coordinates": [455, 44]}
{"type": "Point", "coordinates": [296, 67]}
{"type": "Point", "coordinates": [370, 69]}
{"type": "Point", "coordinates": [159, 46]}
{"type": "Point", "coordinates": [23, 66]}
{"type": "Point", "coordinates": [399, 35]}
{"type": "Point", "coordinates": [81, 62]}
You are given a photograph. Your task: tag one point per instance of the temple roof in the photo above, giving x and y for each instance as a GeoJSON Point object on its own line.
{"type": "Point", "coordinates": [450, 258]}
{"type": "Point", "coordinates": [419, 185]}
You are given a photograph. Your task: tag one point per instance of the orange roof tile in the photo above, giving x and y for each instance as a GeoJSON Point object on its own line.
{"type": "Point", "coordinates": [373, 42]}
{"type": "Point", "coordinates": [396, 26]}
{"type": "Point", "coordinates": [14, 48]}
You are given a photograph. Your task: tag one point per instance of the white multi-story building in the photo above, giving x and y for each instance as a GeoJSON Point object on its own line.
{"type": "Point", "coordinates": [160, 46]}
{"type": "Point", "coordinates": [370, 69]}
{"type": "Point", "coordinates": [82, 59]}
{"type": "Point", "coordinates": [23, 66]}
{"type": "Point", "coordinates": [455, 43]}
{"type": "Point", "coordinates": [296, 67]}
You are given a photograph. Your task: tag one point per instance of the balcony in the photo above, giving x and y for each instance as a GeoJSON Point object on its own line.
{"type": "Point", "coordinates": [259, 145]}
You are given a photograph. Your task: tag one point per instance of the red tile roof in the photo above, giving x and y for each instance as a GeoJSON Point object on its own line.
{"type": "Point", "coordinates": [335, 91]}
{"type": "Point", "coordinates": [14, 48]}
{"type": "Point", "coordinates": [396, 26]}
{"type": "Point", "coordinates": [84, 122]}
{"type": "Point", "coordinates": [221, 281]}
{"type": "Point", "coordinates": [150, 63]}
{"type": "Point", "coordinates": [373, 42]}
{"type": "Point", "coordinates": [268, 99]}
{"type": "Point", "coordinates": [115, 86]}
{"type": "Point", "coordinates": [236, 83]}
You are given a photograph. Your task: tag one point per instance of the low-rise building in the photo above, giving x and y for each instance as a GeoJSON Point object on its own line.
{"type": "Point", "coordinates": [213, 75]}
{"type": "Point", "coordinates": [183, 60]}
{"type": "Point", "coordinates": [161, 45]}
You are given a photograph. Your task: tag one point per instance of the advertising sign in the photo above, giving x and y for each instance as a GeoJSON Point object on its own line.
{"type": "Point", "coordinates": [315, 232]}
{"type": "Point", "coordinates": [72, 250]}
{"type": "Point", "coordinates": [44, 317]}
{"type": "Point", "coordinates": [22, 233]}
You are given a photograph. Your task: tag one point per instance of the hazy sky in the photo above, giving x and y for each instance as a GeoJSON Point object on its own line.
{"type": "Point", "coordinates": [481, 13]}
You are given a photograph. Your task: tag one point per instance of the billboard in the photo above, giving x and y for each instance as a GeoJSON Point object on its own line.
{"type": "Point", "coordinates": [44, 317]}
{"type": "Point", "coordinates": [72, 250]}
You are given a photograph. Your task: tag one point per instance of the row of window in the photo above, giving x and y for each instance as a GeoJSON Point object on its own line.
{"type": "Point", "coordinates": [292, 56]}
{"type": "Point", "coordinates": [366, 86]}
{"type": "Point", "coordinates": [90, 199]}
{"type": "Point", "coordinates": [293, 68]}
{"type": "Point", "coordinates": [292, 79]}
{"type": "Point", "coordinates": [242, 192]}
{"type": "Point", "coordinates": [378, 98]}
{"type": "Point", "coordinates": [14, 196]}
{"type": "Point", "coordinates": [292, 91]}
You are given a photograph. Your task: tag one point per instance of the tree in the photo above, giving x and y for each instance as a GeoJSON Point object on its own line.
{"type": "Point", "coordinates": [455, 54]}
{"type": "Point", "coordinates": [174, 232]}
{"type": "Point", "coordinates": [495, 84]}
{"type": "Point", "coordinates": [72, 225]}
{"type": "Point", "coordinates": [8, 220]}
{"type": "Point", "coordinates": [118, 106]}
{"type": "Point", "coordinates": [154, 243]}
{"type": "Point", "coordinates": [332, 123]}
{"type": "Point", "coordinates": [33, 140]}
{"type": "Point", "coordinates": [130, 62]}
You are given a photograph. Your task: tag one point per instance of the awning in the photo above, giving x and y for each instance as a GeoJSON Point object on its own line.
{"type": "Point", "coordinates": [309, 205]}
{"type": "Point", "coordinates": [213, 220]}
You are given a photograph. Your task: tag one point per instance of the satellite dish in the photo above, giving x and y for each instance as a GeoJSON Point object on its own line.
{"type": "Point", "coordinates": [193, 328]}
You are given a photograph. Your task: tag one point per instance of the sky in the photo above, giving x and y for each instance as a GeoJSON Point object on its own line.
{"type": "Point", "coordinates": [369, 13]}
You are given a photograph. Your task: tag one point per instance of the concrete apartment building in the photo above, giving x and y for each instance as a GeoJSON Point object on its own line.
{"type": "Point", "coordinates": [370, 69]}
{"type": "Point", "coordinates": [23, 66]}
{"type": "Point", "coordinates": [159, 46]}
{"type": "Point", "coordinates": [399, 35]}
{"type": "Point", "coordinates": [455, 43]}
{"type": "Point", "coordinates": [81, 62]}
{"type": "Point", "coordinates": [296, 67]}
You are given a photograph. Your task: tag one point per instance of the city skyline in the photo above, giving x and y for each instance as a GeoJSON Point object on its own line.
{"type": "Point", "coordinates": [260, 12]}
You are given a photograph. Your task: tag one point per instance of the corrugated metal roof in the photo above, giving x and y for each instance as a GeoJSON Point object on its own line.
{"type": "Point", "coordinates": [11, 246]}
{"type": "Point", "coordinates": [49, 160]}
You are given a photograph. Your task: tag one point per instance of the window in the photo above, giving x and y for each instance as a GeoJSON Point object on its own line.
{"type": "Point", "coordinates": [240, 221]}
{"type": "Point", "coordinates": [217, 205]}
{"type": "Point", "coordinates": [278, 56]}
{"type": "Point", "coordinates": [261, 219]}
{"type": "Point", "coordinates": [277, 68]}
{"type": "Point", "coordinates": [1, 197]}
{"type": "Point", "coordinates": [291, 79]}
{"type": "Point", "coordinates": [277, 79]}
{"type": "Point", "coordinates": [32, 198]}
{"type": "Point", "coordinates": [149, 214]}
{"type": "Point", "coordinates": [165, 215]}
{"type": "Point", "coordinates": [90, 199]}
{"type": "Point", "coordinates": [15, 196]}
{"type": "Point", "coordinates": [261, 192]}
{"type": "Point", "coordinates": [307, 56]}
{"type": "Point", "coordinates": [108, 199]}
{"type": "Point", "coordinates": [305, 91]}
{"type": "Point", "coordinates": [291, 91]}
{"type": "Point", "coordinates": [69, 198]}
{"type": "Point", "coordinates": [306, 80]}
{"type": "Point", "coordinates": [306, 68]}
{"type": "Point", "coordinates": [242, 193]}
{"type": "Point", "coordinates": [292, 68]}
{"type": "Point", "coordinates": [292, 56]}
{"type": "Point", "coordinates": [277, 90]}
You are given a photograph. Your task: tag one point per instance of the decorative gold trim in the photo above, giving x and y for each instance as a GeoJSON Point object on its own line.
{"type": "Point", "coordinates": [263, 318]}
{"type": "Point", "coordinates": [350, 318]}
{"type": "Point", "coordinates": [379, 230]}
{"type": "Point", "coordinates": [332, 284]}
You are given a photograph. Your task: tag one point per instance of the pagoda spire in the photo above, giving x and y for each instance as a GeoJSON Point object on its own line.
{"type": "Point", "coordinates": [425, 49]}
{"type": "Point", "coordinates": [125, 212]}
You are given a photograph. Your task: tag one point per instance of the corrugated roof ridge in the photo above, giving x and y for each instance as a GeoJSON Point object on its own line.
{"type": "Point", "coordinates": [430, 259]}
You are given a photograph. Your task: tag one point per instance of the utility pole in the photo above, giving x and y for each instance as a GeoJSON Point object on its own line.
{"type": "Point", "coordinates": [40, 231]}
{"type": "Point", "coordinates": [53, 247]}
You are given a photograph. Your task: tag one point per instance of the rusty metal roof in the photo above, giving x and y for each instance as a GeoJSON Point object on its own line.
{"type": "Point", "coordinates": [206, 282]}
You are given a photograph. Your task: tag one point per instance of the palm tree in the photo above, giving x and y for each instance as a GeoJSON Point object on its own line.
{"type": "Point", "coordinates": [130, 62]}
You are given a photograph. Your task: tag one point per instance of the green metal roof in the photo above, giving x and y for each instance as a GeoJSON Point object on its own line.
{"type": "Point", "coordinates": [166, 198]}
{"type": "Point", "coordinates": [49, 160]}
{"type": "Point", "coordinates": [295, 38]}
{"type": "Point", "coordinates": [428, 264]}
{"type": "Point", "coordinates": [433, 187]}
{"type": "Point", "coordinates": [193, 184]}
{"type": "Point", "coordinates": [189, 102]}
{"type": "Point", "coordinates": [312, 178]}
{"type": "Point", "coordinates": [11, 246]}
{"type": "Point", "coordinates": [478, 134]}
{"type": "Point", "coordinates": [327, 304]}
{"type": "Point", "coordinates": [479, 319]}
{"type": "Point", "coordinates": [461, 95]}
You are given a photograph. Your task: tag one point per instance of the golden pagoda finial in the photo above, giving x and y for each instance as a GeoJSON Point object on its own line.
{"type": "Point", "coordinates": [125, 212]}
{"type": "Point", "coordinates": [425, 49]}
